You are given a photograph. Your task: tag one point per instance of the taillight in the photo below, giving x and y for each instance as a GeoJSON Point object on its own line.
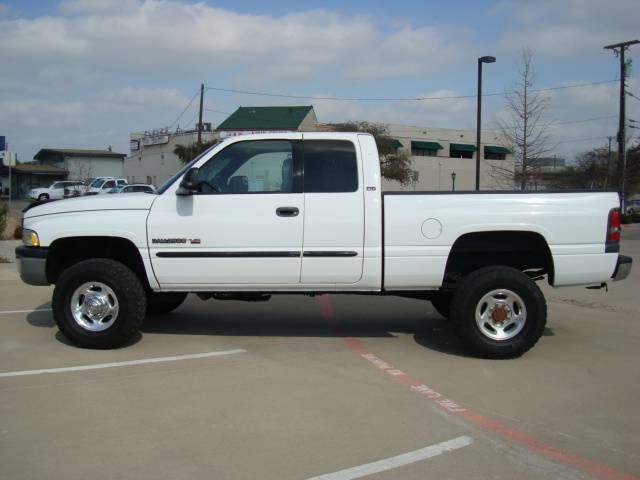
{"type": "Point", "coordinates": [614, 226]}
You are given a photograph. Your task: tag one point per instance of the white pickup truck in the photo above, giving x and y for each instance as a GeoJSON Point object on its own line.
{"type": "Point", "coordinates": [285, 213]}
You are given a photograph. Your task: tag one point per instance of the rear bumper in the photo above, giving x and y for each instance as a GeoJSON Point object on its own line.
{"type": "Point", "coordinates": [32, 265]}
{"type": "Point", "coordinates": [623, 268]}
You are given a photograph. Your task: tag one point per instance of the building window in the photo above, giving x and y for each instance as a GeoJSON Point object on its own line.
{"type": "Point", "coordinates": [495, 153]}
{"type": "Point", "coordinates": [425, 149]}
{"type": "Point", "coordinates": [461, 150]}
{"type": "Point", "coordinates": [148, 180]}
{"type": "Point", "coordinates": [418, 152]}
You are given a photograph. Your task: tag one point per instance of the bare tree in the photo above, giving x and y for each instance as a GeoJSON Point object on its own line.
{"type": "Point", "coordinates": [524, 126]}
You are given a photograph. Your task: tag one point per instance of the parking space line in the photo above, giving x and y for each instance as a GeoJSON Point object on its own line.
{"type": "Point", "coordinates": [488, 424]}
{"type": "Point", "coordinates": [122, 364]}
{"type": "Point", "coordinates": [398, 460]}
{"type": "Point", "coordinates": [24, 311]}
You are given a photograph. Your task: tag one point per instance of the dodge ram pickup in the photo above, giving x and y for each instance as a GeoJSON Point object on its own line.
{"type": "Point", "coordinates": [286, 213]}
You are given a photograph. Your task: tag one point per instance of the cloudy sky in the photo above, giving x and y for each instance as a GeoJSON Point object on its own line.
{"type": "Point", "coordinates": [85, 73]}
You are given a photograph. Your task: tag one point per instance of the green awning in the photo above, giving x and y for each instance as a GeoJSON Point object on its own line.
{"type": "Point", "coordinates": [463, 147]}
{"type": "Point", "coordinates": [426, 145]}
{"type": "Point", "coordinates": [497, 150]}
{"type": "Point", "coordinates": [396, 143]}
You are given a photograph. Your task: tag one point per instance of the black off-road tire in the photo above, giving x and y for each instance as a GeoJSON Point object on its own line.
{"type": "Point", "coordinates": [43, 197]}
{"type": "Point", "coordinates": [130, 295]}
{"type": "Point", "coordinates": [441, 302]}
{"type": "Point", "coordinates": [164, 302]}
{"type": "Point", "coordinates": [479, 283]}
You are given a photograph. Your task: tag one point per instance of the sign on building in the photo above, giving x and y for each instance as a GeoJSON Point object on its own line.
{"type": "Point", "coordinates": [155, 140]}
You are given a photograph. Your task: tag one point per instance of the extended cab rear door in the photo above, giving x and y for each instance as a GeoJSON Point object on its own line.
{"type": "Point", "coordinates": [334, 210]}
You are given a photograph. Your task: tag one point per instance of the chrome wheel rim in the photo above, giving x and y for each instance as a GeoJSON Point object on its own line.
{"type": "Point", "coordinates": [94, 306]}
{"type": "Point", "coordinates": [501, 314]}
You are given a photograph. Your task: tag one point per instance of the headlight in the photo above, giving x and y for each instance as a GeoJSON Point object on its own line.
{"type": "Point", "coordinates": [30, 238]}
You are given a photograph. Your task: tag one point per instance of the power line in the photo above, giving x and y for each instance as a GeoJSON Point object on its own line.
{"type": "Point", "coordinates": [400, 99]}
{"type": "Point", "coordinates": [580, 139]}
{"type": "Point", "coordinates": [185, 109]}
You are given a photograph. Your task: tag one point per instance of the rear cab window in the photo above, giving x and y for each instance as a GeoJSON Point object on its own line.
{"type": "Point", "coordinates": [330, 166]}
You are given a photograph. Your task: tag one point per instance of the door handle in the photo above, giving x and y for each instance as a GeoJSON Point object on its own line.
{"type": "Point", "coordinates": [287, 211]}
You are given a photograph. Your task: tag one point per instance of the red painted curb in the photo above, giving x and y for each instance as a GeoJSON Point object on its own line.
{"type": "Point", "coordinates": [488, 424]}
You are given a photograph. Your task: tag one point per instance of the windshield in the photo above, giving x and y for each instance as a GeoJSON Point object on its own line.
{"type": "Point", "coordinates": [181, 172]}
{"type": "Point", "coordinates": [97, 182]}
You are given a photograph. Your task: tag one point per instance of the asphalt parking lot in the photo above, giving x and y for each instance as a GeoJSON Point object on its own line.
{"type": "Point", "coordinates": [335, 387]}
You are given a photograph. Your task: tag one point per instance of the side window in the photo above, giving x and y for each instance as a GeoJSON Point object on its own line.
{"type": "Point", "coordinates": [330, 166]}
{"type": "Point", "coordinates": [109, 184]}
{"type": "Point", "coordinates": [255, 166]}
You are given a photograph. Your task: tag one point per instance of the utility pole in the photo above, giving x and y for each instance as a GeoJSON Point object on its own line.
{"type": "Point", "coordinates": [619, 50]}
{"type": "Point", "coordinates": [606, 178]}
{"type": "Point", "coordinates": [200, 114]}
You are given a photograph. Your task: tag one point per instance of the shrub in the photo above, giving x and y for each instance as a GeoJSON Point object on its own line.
{"type": "Point", "coordinates": [4, 211]}
{"type": "Point", "coordinates": [17, 232]}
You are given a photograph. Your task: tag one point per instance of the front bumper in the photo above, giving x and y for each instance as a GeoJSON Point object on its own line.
{"type": "Point", "coordinates": [32, 264]}
{"type": "Point", "coordinates": [623, 268]}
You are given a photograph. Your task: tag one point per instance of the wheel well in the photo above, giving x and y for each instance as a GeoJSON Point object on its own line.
{"type": "Point", "coordinates": [68, 251]}
{"type": "Point", "coordinates": [525, 251]}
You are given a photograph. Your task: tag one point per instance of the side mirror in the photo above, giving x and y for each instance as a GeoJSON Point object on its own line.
{"type": "Point", "coordinates": [189, 183]}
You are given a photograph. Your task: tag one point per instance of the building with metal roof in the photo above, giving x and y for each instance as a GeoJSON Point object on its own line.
{"type": "Point", "coordinates": [268, 119]}
{"type": "Point", "coordinates": [82, 164]}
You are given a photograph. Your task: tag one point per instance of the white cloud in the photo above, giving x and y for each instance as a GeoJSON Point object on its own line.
{"type": "Point", "coordinates": [163, 36]}
{"type": "Point", "coordinates": [568, 27]}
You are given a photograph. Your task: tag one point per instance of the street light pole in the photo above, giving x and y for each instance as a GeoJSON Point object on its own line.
{"type": "Point", "coordinates": [481, 60]}
{"type": "Point", "coordinates": [453, 181]}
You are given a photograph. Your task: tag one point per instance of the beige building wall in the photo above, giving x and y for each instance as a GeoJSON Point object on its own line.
{"type": "Point", "coordinates": [155, 164]}
{"type": "Point", "coordinates": [83, 168]}
{"type": "Point", "coordinates": [434, 173]}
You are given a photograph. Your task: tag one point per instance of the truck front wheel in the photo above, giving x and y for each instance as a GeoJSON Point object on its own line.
{"type": "Point", "coordinates": [99, 303]}
{"type": "Point", "coordinates": [499, 311]}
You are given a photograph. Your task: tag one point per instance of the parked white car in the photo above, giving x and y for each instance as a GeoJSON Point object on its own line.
{"type": "Point", "coordinates": [55, 191]}
{"type": "Point", "coordinates": [134, 188]}
{"type": "Point", "coordinates": [267, 214]}
{"type": "Point", "coordinates": [105, 184]}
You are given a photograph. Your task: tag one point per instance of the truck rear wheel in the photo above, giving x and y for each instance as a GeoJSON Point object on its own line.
{"type": "Point", "coordinates": [164, 302]}
{"type": "Point", "coordinates": [499, 312]}
{"type": "Point", "coordinates": [99, 303]}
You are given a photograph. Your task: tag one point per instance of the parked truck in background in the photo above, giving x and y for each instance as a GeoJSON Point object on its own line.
{"type": "Point", "coordinates": [303, 213]}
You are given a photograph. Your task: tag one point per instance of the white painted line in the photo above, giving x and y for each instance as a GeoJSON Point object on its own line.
{"type": "Point", "coordinates": [122, 364]}
{"type": "Point", "coordinates": [25, 311]}
{"type": "Point", "coordinates": [398, 460]}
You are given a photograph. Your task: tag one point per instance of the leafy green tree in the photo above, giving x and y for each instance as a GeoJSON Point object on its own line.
{"type": "Point", "coordinates": [394, 164]}
{"type": "Point", "coordinates": [186, 153]}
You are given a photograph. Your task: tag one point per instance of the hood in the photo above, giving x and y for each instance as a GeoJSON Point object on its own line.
{"type": "Point", "coordinates": [128, 201]}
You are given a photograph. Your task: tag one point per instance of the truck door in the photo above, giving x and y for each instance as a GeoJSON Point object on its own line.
{"type": "Point", "coordinates": [333, 246]}
{"type": "Point", "coordinates": [243, 227]}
